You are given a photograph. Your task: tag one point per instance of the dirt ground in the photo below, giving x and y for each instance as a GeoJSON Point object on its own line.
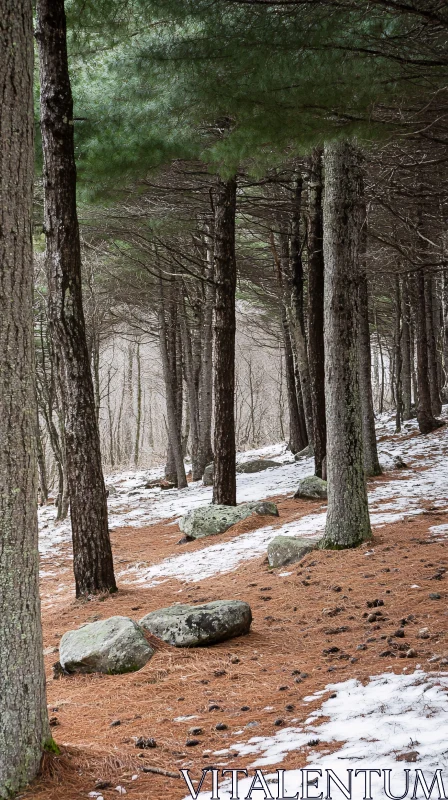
{"type": "Point", "coordinates": [260, 678]}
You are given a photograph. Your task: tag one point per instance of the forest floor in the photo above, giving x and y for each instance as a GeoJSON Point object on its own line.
{"type": "Point", "coordinates": [315, 682]}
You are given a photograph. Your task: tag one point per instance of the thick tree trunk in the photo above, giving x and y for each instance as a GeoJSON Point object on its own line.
{"type": "Point", "coordinates": [436, 405]}
{"type": "Point", "coordinates": [224, 484]}
{"type": "Point", "coordinates": [406, 370]}
{"type": "Point", "coordinates": [92, 554]}
{"type": "Point", "coordinates": [426, 420]}
{"type": "Point", "coordinates": [371, 462]}
{"type": "Point", "coordinates": [24, 729]}
{"type": "Point", "coordinates": [348, 522]}
{"type": "Point", "coordinates": [316, 311]}
{"type": "Point", "coordinates": [296, 440]}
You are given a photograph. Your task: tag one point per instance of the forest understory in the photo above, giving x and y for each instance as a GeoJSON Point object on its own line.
{"type": "Point", "coordinates": [313, 640]}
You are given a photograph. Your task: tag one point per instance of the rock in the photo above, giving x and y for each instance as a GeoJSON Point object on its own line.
{"type": "Point", "coordinates": [113, 646]}
{"type": "Point", "coordinates": [213, 519]}
{"type": "Point", "coordinates": [193, 626]}
{"type": "Point", "coordinates": [207, 478]}
{"type": "Point", "coordinates": [258, 465]}
{"type": "Point", "coordinates": [434, 596]}
{"type": "Point", "coordinates": [307, 452]}
{"type": "Point", "coordinates": [145, 744]}
{"type": "Point", "coordinates": [398, 463]}
{"type": "Point", "coordinates": [287, 550]}
{"type": "Point", "coordinates": [312, 488]}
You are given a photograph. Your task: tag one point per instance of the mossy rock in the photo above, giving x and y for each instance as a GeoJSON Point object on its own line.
{"type": "Point", "coordinates": [113, 646]}
{"type": "Point", "coordinates": [312, 488]}
{"type": "Point", "coordinates": [198, 626]}
{"type": "Point", "coordinates": [213, 519]}
{"type": "Point", "coordinates": [288, 549]}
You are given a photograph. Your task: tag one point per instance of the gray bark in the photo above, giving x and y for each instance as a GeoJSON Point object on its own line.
{"type": "Point", "coordinates": [406, 369]}
{"type": "Point", "coordinates": [24, 729]}
{"type": "Point", "coordinates": [348, 522]}
{"type": "Point", "coordinates": [371, 462]}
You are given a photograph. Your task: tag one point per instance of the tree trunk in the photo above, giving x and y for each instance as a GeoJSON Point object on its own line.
{"type": "Point", "coordinates": [316, 311]}
{"type": "Point", "coordinates": [293, 275]}
{"type": "Point", "coordinates": [436, 405]}
{"type": "Point", "coordinates": [445, 333]}
{"type": "Point", "coordinates": [426, 420]}
{"type": "Point", "coordinates": [24, 729]}
{"type": "Point", "coordinates": [224, 484]}
{"type": "Point", "coordinates": [296, 440]}
{"type": "Point", "coordinates": [171, 394]}
{"type": "Point", "coordinates": [406, 371]}
{"type": "Point", "coordinates": [92, 554]}
{"type": "Point", "coordinates": [206, 375]}
{"type": "Point", "coordinates": [371, 462]}
{"type": "Point", "coordinates": [138, 413]}
{"type": "Point", "coordinates": [348, 522]}
{"type": "Point", "coordinates": [398, 356]}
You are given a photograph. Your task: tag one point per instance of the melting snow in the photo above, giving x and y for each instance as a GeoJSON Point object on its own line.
{"type": "Point", "coordinates": [372, 725]}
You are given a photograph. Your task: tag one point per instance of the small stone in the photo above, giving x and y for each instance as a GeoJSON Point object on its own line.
{"type": "Point", "coordinates": [145, 744]}
{"type": "Point", "coordinates": [434, 596]}
{"type": "Point", "coordinates": [303, 675]}
{"type": "Point", "coordinates": [192, 742]}
{"type": "Point", "coordinates": [53, 722]}
{"type": "Point", "coordinates": [374, 603]}
{"type": "Point", "coordinates": [330, 650]}
{"type": "Point", "coordinates": [283, 688]}
{"type": "Point", "coordinates": [411, 653]}
{"type": "Point", "coordinates": [214, 707]}
{"type": "Point", "coordinates": [387, 654]}
{"type": "Point", "coordinates": [245, 708]}
{"type": "Point", "coordinates": [234, 660]}
{"type": "Point", "coordinates": [361, 647]}
{"type": "Point", "coordinates": [423, 633]}
{"type": "Point", "coordinates": [399, 634]}
{"type": "Point", "coordinates": [289, 707]}
{"type": "Point", "coordinates": [279, 722]}
{"type": "Point", "coordinates": [195, 731]}
{"type": "Point", "coordinates": [221, 726]}
{"type": "Point", "coordinates": [218, 673]}
{"type": "Point", "coordinates": [115, 723]}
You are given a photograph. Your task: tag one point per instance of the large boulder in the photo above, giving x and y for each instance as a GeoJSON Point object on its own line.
{"type": "Point", "coordinates": [196, 626]}
{"type": "Point", "coordinates": [213, 519]}
{"type": "Point", "coordinates": [288, 549]}
{"type": "Point", "coordinates": [207, 478]}
{"type": "Point", "coordinates": [113, 646]}
{"type": "Point", "coordinates": [257, 465]}
{"type": "Point", "coordinates": [312, 488]}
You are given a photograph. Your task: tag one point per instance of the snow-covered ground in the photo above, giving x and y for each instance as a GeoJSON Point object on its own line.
{"type": "Point", "coordinates": [130, 504]}
{"type": "Point", "coordinates": [391, 716]}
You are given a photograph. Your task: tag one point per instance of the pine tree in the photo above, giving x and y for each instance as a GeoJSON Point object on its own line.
{"type": "Point", "coordinates": [92, 554]}
{"type": "Point", "coordinates": [24, 729]}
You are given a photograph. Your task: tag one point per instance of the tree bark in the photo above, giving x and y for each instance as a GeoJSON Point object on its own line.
{"type": "Point", "coordinates": [425, 418]}
{"type": "Point", "coordinates": [293, 275]}
{"type": "Point", "coordinates": [436, 405]}
{"type": "Point", "coordinates": [406, 370]}
{"type": "Point", "coordinates": [24, 729]}
{"type": "Point", "coordinates": [206, 373]}
{"type": "Point", "coordinates": [296, 439]}
{"type": "Point", "coordinates": [371, 462]}
{"type": "Point", "coordinates": [92, 554]}
{"type": "Point", "coordinates": [169, 365]}
{"type": "Point", "coordinates": [316, 310]}
{"type": "Point", "coordinates": [224, 484]}
{"type": "Point", "coordinates": [398, 356]}
{"type": "Point", "coordinates": [348, 522]}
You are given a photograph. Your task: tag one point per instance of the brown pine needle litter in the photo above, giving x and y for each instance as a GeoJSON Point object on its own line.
{"type": "Point", "coordinates": [248, 684]}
